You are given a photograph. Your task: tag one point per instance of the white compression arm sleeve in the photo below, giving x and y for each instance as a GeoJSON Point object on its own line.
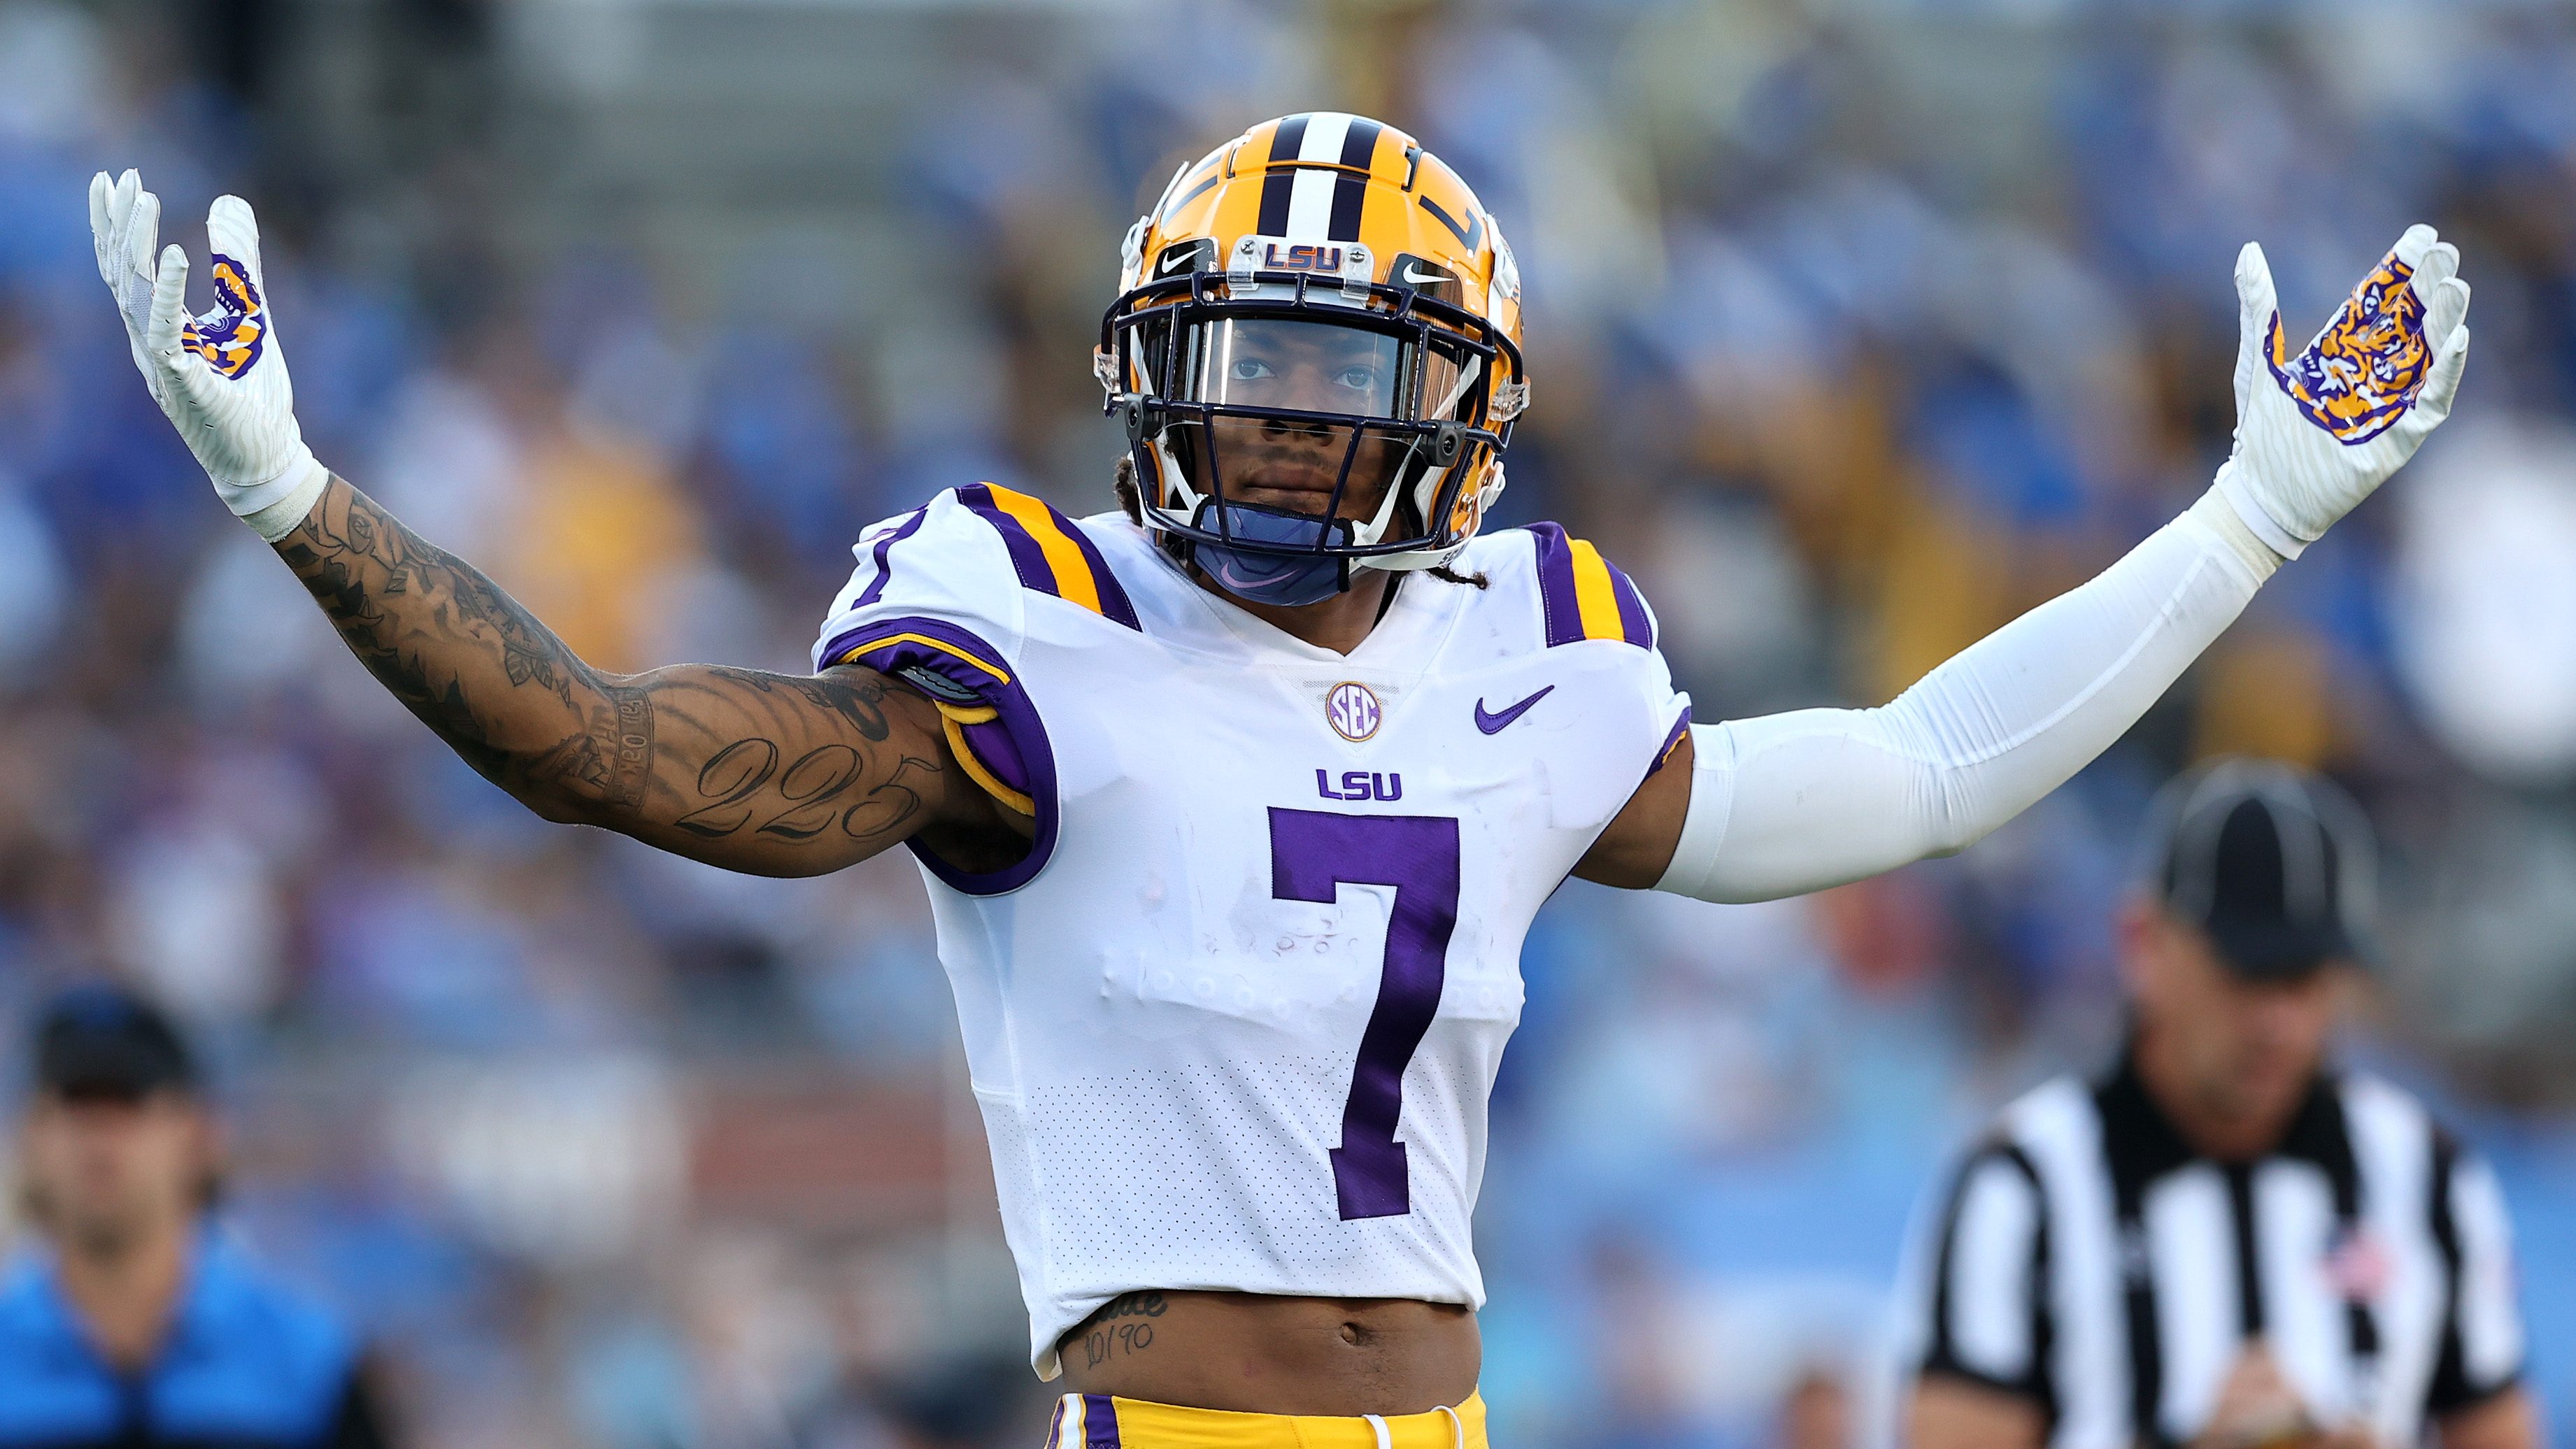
{"type": "Point", "coordinates": [1789, 803]}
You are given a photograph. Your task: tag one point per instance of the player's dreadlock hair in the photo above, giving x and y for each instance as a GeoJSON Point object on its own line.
{"type": "Point", "coordinates": [1133, 504]}
{"type": "Point", "coordinates": [1129, 499]}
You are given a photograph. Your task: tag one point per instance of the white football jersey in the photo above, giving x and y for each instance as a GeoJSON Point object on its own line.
{"type": "Point", "coordinates": [1234, 1020]}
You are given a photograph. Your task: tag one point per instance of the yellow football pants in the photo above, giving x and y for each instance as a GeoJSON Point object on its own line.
{"type": "Point", "coordinates": [1099, 1421]}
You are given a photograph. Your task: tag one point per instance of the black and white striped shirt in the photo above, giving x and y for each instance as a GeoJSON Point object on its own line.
{"type": "Point", "coordinates": [2088, 1259]}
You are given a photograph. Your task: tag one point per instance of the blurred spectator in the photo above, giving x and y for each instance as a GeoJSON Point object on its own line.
{"type": "Point", "coordinates": [140, 1322]}
{"type": "Point", "coordinates": [2486, 567]}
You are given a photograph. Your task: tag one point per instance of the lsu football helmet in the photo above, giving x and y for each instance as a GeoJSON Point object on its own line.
{"type": "Point", "coordinates": [1316, 353]}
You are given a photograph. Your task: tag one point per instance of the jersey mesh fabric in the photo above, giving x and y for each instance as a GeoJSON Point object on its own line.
{"type": "Point", "coordinates": [1165, 1022]}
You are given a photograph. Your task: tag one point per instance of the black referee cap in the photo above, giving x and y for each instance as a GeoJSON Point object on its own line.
{"type": "Point", "coordinates": [2274, 863]}
{"type": "Point", "coordinates": [100, 1040]}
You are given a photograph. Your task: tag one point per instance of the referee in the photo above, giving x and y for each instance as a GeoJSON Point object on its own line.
{"type": "Point", "coordinates": [2225, 1242]}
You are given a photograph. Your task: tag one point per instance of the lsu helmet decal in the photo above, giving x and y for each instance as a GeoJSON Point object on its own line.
{"type": "Point", "coordinates": [1316, 353]}
{"type": "Point", "coordinates": [2363, 371]}
{"type": "Point", "coordinates": [230, 335]}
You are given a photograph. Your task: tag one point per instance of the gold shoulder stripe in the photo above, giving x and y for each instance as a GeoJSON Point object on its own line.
{"type": "Point", "coordinates": [852, 654]}
{"type": "Point", "coordinates": [952, 723]}
{"type": "Point", "coordinates": [1074, 581]}
{"type": "Point", "coordinates": [1593, 596]}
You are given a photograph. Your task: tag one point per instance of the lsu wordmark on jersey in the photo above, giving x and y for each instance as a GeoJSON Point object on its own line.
{"type": "Point", "coordinates": [1233, 1020]}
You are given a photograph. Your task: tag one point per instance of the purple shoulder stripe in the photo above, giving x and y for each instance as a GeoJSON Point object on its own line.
{"type": "Point", "coordinates": [1563, 616]}
{"type": "Point", "coordinates": [1672, 741]}
{"type": "Point", "coordinates": [958, 667]}
{"type": "Point", "coordinates": [1027, 558]}
{"type": "Point", "coordinates": [1634, 624]}
{"type": "Point", "coordinates": [882, 553]}
{"type": "Point", "coordinates": [1113, 596]}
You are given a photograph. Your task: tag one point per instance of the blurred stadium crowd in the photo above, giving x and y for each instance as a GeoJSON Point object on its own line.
{"type": "Point", "coordinates": [1855, 329]}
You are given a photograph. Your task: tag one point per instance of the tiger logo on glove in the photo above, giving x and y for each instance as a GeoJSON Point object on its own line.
{"type": "Point", "coordinates": [2363, 372]}
{"type": "Point", "coordinates": [231, 336]}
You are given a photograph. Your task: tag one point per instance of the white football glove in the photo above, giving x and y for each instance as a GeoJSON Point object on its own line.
{"type": "Point", "coordinates": [2316, 432]}
{"type": "Point", "coordinates": [219, 377]}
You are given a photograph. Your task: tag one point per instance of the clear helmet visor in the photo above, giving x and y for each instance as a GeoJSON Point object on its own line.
{"type": "Point", "coordinates": [1310, 391]}
{"type": "Point", "coordinates": [1318, 367]}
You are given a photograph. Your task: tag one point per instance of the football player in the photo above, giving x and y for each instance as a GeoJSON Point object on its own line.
{"type": "Point", "coordinates": [1236, 803]}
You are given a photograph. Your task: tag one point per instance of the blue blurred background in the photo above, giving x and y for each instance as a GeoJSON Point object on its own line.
{"type": "Point", "coordinates": [1857, 326]}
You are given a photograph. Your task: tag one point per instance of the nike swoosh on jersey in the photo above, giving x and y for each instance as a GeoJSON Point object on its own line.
{"type": "Point", "coordinates": [1495, 723]}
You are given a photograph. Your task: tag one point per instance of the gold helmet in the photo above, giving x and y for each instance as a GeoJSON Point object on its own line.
{"type": "Point", "coordinates": [1316, 353]}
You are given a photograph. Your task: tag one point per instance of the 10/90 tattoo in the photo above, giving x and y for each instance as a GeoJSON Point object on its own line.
{"type": "Point", "coordinates": [1105, 1336]}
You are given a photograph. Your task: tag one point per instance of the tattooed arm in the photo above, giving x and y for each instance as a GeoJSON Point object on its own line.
{"type": "Point", "coordinates": [757, 772]}
{"type": "Point", "coordinates": [772, 774]}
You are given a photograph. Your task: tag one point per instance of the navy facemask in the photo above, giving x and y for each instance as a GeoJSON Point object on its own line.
{"type": "Point", "coordinates": [1285, 566]}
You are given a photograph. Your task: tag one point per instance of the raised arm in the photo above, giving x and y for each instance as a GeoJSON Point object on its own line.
{"type": "Point", "coordinates": [768, 773]}
{"type": "Point", "coordinates": [1796, 802]}
{"type": "Point", "coordinates": [1787, 803]}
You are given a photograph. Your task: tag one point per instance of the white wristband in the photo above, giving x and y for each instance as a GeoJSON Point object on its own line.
{"type": "Point", "coordinates": [2223, 513]}
{"type": "Point", "coordinates": [2239, 493]}
{"type": "Point", "coordinates": [277, 507]}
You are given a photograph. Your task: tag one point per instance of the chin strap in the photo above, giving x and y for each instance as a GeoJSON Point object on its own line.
{"type": "Point", "coordinates": [1289, 580]}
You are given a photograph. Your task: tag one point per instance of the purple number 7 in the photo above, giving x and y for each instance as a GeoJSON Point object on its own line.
{"type": "Point", "coordinates": [1311, 854]}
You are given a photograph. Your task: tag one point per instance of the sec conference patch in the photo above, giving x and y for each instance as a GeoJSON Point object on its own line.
{"type": "Point", "coordinates": [1353, 711]}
